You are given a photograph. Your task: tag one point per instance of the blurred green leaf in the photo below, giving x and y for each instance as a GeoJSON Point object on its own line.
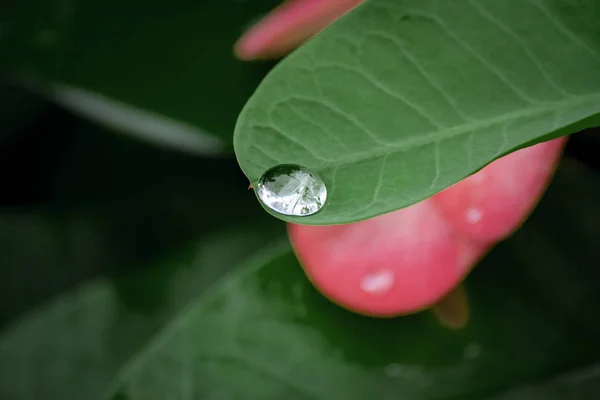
{"type": "Point", "coordinates": [260, 331]}
{"type": "Point", "coordinates": [165, 74]}
{"type": "Point", "coordinates": [400, 99]}
{"type": "Point", "coordinates": [88, 335]}
{"type": "Point", "coordinates": [82, 202]}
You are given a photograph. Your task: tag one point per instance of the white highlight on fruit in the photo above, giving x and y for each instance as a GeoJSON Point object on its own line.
{"type": "Point", "coordinates": [379, 282]}
{"type": "Point", "coordinates": [474, 215]}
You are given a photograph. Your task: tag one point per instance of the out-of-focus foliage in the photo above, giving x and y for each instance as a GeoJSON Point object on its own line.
{"type": "Point", "coordinates": [131, 271]}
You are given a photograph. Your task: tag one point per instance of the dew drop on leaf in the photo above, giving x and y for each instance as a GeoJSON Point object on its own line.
{"type": "Point", "coordinates": [292, 190]}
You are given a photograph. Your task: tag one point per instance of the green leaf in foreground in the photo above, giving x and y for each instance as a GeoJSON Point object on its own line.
{"type": "Point", "coordinates": [400, 99]}
{"type": "Point", "coordinates": [260, 331]}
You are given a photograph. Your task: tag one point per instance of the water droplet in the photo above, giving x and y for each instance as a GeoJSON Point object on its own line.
{"type": "Point", "coordinates": [292, 190]}
{"type": "Point", "coordinates": [474, 215]}
{"type": "Point", "coordinates": [379, 282]}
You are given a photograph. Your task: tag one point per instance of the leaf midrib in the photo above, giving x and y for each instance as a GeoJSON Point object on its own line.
{"type": "Point", "coordinates": [262, 256]}
{"type": "Point", "coordinates": [439, 136]}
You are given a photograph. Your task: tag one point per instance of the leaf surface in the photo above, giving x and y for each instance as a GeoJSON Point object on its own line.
{"type": "Point", "coordinates": [398, 100]}
{"type": "Point", "coordinates": [102, 255]}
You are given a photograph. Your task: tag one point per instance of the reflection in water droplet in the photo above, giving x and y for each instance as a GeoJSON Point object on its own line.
{"type": "Point", "coordinates": [292, 190]}
{"type": "Point", "coordinates": [379, 282]}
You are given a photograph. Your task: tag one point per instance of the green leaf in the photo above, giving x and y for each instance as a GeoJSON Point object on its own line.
{"type": "Point", "coordinates": [87, 203]}
{"type": "Point", "coordinates": [168, 75]}
{"type": "Point", "coordinates": [260, 331]}
{"type": "Point", "coordinates": [400, 99]}
{"type": "Point", "coordinates": [85, 337]}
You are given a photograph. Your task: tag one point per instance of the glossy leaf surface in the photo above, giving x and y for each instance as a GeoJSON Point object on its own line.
{"type": "Point", "coordinates": [398, 100]}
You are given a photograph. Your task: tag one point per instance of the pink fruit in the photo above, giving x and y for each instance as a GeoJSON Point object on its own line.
{"type": "Point", "coordinates": [289, 25]}
{"type": "Point", "coordinates": [407, 260]}
{"type": "Point", "coordinates": [414, 258]}
{"type": "Point", "coordinates": [491, 204]}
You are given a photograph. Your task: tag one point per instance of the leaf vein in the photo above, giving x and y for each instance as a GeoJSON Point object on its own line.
{"type": "Point", "coordinates": [426, 139]}
{"type": "Point", "coordinates": [484, 62]}
{"type": "Point", "coordinates": [335, 110]}
{"type": "Point", "coordinates": [570, 34]}
{"type": "Point", "coordinates": [307, 119]}
{"type": "Point", "coordinates": [417, 65]}
{"type": "Point", "coordinates": [287, 136]}
{"type": "Point", "coordinates": [373, 81]}
{"type": "Point", "coordinates": [508, 31]}
{"type": "Point", "coordinates": [265, 153]}
{"type": "Point", "coordinates": [263, 255]}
